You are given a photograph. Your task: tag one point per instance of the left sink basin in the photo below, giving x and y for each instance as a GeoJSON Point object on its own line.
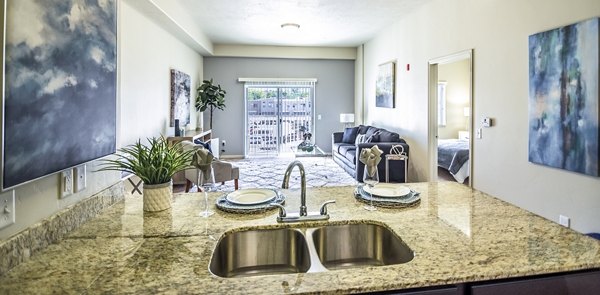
{"type": "Point", "coordinates": [260, 252]}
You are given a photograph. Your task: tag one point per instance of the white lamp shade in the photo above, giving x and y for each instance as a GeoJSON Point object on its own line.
{"type": "Point", "coordinates": [346, 118]}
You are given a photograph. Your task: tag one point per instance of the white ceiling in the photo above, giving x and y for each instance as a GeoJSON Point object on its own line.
{"type": "Point", "coordinates": [335, 23]}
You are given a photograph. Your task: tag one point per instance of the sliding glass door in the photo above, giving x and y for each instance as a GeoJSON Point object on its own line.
{"type": "Point", "coordinates": [278, 116]}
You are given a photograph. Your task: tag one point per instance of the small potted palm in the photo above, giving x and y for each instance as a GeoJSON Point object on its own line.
{"type": "Point", "coordinates": [155, 164]}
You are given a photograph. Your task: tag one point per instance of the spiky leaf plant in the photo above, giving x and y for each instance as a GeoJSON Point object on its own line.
{"type": "Point", "coordinates": [154, 163]}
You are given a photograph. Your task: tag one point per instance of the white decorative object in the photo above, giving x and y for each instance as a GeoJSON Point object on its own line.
{"type": "Point", "coordinates": [397, 150]}
{"type": "Point", "coordinates": [157, 197]}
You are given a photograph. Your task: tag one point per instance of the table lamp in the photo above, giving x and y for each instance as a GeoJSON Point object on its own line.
{"type": "Point", "coordinates": [347, 120]}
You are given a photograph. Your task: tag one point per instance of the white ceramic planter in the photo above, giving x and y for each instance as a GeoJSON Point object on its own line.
{"type": "Point", "coordinates": [157, 197]}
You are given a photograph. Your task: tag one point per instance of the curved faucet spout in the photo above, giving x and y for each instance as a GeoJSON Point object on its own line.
{"type": "Point", "coordinates": [286, 183]}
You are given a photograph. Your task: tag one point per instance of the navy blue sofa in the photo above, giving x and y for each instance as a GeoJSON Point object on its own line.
{"type": "Point", "coordinates": [345, 151]}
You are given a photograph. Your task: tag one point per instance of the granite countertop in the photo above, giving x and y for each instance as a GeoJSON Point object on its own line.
{"type": "Point", "coordinates": [457, 234]}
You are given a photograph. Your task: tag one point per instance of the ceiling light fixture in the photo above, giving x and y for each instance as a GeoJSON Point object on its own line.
{"type": "Point", "coordinates": [290, 26]}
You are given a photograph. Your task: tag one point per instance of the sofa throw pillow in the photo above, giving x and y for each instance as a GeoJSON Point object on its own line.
{"type": "Point", "coordinates": [388, 136]}
{"type": "Point", "coordinates": [373, 137]}
{"type": "Point", "coordinates": [360, 139]}
{"type": "Point", "coordinates": [350, 135]}
{"type": "Point", "coordinates": [370, 131]}
{"type": "Point", "coordinates": [206, 145]}
{"type": "Point", "coordinates": [362, 129]}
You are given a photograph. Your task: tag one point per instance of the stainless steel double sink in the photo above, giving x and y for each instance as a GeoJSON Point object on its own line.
{"type": "Point", "coordinates": [313, 249]}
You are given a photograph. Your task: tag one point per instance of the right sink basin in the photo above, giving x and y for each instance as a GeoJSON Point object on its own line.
{"type": "Point", "coordinates": [358, 245]}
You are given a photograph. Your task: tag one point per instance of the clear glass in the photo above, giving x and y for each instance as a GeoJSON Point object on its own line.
{"type": "Point", "coordinates": [370, 181]}
{"type": "Point", "coordinates": [206, 182]}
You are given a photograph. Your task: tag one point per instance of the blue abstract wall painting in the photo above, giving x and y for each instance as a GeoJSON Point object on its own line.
{"type": "Point", "coordinates": [60, 86]}
{"type": "Point", "coordinates": [563, 97]}
{"type": "Point", "coordinates": [385, 86]}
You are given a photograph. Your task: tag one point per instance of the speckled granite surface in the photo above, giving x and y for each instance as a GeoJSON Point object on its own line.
{"type": "Point", "coordinates": [457, 234]}
{"type": "Point", "coordinates": [35, 239]}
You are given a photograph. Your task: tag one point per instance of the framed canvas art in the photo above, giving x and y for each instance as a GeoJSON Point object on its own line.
{"type": "Point", "coordinates": [59, 99]}
{"type": "Point", "coordinates": [563, 97]}
{"type": "Point", "coordinates": [385, 90]}
{"type": "Point", "coordinates": [180, 97]}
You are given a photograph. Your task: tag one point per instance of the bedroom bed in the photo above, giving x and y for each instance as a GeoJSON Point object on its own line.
{"type": "Point", "coordinates": [453, 155]}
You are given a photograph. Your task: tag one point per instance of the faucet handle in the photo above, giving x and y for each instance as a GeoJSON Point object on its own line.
{"type": "Point", "coordinates": [282, 212]}
{"type": "Point", "coordinates": [323, 210]}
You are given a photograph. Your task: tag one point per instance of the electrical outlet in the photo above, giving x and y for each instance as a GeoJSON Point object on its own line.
{"type": "Point", "coordinates": [80, 178]}
{"type": "Point", "coordinates": [7, 209]}
{"type": "Point", "coordinates": [224, 142]}
{"type": "Point", "coordinates": [319, 117]}
{"type": "Point", "coordinates": [66, 183]}
{"type": "Point", "coordinates": [478, 133]}
{"type": "Point", "coordinates": [564, 221]}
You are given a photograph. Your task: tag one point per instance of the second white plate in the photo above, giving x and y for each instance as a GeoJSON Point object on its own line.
{"type": "Point", "coordinates": [388, 190]}
{"type": "Point", "coordinates": [251, 196]}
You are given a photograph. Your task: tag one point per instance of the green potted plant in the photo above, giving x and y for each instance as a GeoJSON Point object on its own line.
{"type": "Point", "coordinates": [155, 164]}
{"type": "Point", "coordinates": [210, 96]}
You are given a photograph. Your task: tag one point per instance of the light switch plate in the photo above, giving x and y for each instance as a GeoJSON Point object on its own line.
{"type": "Point", "coordinates": [66, 183]}
{"type": "Point", "coordinates": [7, 209]}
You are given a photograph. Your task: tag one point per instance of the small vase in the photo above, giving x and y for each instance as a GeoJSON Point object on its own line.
{"type": "Point", "coordinates": [177, 129]}
{"type": "Point", "coordinates": [157, 197]}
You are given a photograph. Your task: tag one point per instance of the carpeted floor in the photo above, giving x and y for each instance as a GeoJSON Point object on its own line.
{"type": "Point", "coordinates": [268, 173]}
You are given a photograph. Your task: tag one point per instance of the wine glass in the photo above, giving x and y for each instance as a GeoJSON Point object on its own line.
{"type": "Point", "coordinates": [370, 179]}
{"type": "Point", "coordinates": [206, 181]}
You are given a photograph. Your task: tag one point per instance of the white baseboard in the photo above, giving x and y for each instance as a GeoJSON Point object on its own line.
{"type": "Point", "coordinates": [232, 157]}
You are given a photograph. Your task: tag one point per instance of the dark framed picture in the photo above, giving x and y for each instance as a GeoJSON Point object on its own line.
{"type": "Point", "coordinates": [563, 97]}
{"type": "Point", "coordinates": [59, 101]}
{"type": "Point", "coordinates": [180, 97]}
{"type": "Point", "coordinates": [385, 92]}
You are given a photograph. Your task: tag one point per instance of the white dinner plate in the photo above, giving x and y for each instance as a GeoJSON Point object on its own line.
{"type": "Point", "coordinates": [251, 196]}
{"type": "Point", "coordinates": [388, 190]}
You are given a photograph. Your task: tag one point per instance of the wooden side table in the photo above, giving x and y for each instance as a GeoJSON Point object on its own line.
{"type": "Point", "coordinates": [191, 136]}
{"type": "Point", "coordinates": [395, 157]}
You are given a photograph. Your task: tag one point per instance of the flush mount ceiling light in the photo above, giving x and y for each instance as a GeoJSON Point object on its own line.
{"type": "Point", "coordinates": [290, 26]}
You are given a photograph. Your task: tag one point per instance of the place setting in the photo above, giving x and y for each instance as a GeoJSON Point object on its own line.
{"type": "Point", "coordinates": [250, 200]}
{"type": "Point", "coordinates": [376, 194]}
{"type": "Point", "coordinates": [390, 195]}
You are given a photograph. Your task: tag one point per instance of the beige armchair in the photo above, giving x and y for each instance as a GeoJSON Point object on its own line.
{"type": "Point", "coordinates": [224, 171]}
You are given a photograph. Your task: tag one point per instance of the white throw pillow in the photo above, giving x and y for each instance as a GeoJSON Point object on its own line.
{"type": "Point", "coordinates": [360, 138]}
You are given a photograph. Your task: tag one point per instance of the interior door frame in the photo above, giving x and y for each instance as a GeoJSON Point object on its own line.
{"type": "Point", "coordinates": [433, 105]}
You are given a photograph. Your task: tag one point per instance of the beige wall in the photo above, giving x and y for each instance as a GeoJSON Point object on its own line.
{"type": "Point", "coordinates": [146, 54]}
{"type": "Point", "coordinates": [456, 76]}
{"type": "Point", "coordinates": [498, 32]}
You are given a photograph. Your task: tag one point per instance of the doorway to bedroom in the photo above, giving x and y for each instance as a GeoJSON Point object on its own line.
{"type": "Point", "coordinates": [451, 90]}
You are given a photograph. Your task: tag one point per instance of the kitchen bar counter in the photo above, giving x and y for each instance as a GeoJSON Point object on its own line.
{"type": "Point", "coordinates": [458, 235]}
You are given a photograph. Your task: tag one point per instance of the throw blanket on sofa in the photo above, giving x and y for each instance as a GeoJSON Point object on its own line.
{"type": "Point", "coordinates": [452, 154]}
